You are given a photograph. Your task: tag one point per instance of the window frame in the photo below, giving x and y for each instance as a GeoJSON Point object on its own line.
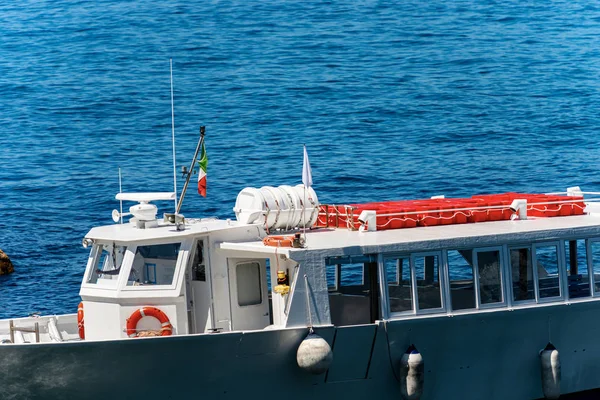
{"type": "Point", "coordinates": [505, 278]}
{"type": "Point", "coordinates": [337, 277]}
{"type": "Point", "coordinates": [562, 273]}
{"type": "Point", "coordinates": [442, 271]}
{"type": "Point", "coordinates": [95, 253]}
{"type": "Point", "coordinates": [567, 297]}
{"type": "Point", "coordinates": [442, 283]}
{"type": "Point", "coordinates": [192, 255]}
{"type": "Point", "coordinates": [511, 294]}
{"type": "Point", "coordinates": [590, 263]}
{"type": "Point", "coordinates": [502, 267]}
{"type": "Point", "coordinates": [94, 259]}
{"type": "Point", "coordinates": [237, 281]}
{"type": "Point", "coordinates": [180, 263]}
{"type": "Point", "coordinates": [447, 286]}
{"type": "Point", "coordinates": [386, 311]}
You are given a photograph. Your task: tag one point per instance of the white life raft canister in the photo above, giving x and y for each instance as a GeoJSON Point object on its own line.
{"type": "Point", "coordinates": [283, 207]}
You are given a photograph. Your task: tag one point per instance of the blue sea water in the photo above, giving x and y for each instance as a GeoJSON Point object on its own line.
{"type": "Point", "coordinates": [393, 100]}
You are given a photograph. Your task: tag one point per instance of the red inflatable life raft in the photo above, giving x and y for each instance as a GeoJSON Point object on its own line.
{"type": "Point", "coordinates": [448, 211]}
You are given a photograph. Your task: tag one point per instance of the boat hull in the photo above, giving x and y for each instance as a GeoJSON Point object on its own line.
{"type": "Point", "coordinates": [492, 355]}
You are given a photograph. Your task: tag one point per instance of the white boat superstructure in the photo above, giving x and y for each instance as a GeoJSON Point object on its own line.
{"type": "Point", "coordinates": [411, 313]}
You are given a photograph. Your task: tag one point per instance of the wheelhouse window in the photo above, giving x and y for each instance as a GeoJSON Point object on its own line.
{"type": "Point", "coordinates": [578, 277]}
{"type": "Point", "coordinates": [154, 265]}
{"type": "Point", "coordinates": [546, 261]}
{"type": "Point", "coordinates": [490, 276]}
{"type": "Point", "coordinates": [523, 285]}
{"type": "Point", "coordinates": [107, 264]}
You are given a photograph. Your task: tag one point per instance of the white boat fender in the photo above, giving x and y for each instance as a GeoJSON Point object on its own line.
{"type": "Point", "coordinates": [314, 354]}
{"type": "Point", "coordinates": [412, 371]}
{"type": "Point", "coordinates": [550, 361]}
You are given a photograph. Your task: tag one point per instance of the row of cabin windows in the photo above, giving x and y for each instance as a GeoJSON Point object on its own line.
{"type": "Point", "coordinates": [476, 278]}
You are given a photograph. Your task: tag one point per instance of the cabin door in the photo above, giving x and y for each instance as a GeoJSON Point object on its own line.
{"type": "Point", "coordinates": [248, 294]}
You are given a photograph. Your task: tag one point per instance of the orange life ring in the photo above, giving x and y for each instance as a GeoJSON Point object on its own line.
{"type": "Point", "coordinates": [80, 324]}
{"type": "Point", "coordinates": [166, 327]}
{"type": "Point", "coordinates": [279, 241]}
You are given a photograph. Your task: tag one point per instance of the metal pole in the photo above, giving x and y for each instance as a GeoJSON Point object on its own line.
{"type": "Point", "coordinates": [190, 170]}
{"type": "Point", "coordinates": [120, 201]}
{"type": "Point", "coordinates": [173, 134]}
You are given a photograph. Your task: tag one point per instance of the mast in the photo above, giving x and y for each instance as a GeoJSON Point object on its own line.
{"type": "Point", "coordinates": [189, 172]}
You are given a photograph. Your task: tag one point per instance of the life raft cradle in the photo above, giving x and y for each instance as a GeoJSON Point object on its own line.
{"type": "Point", "coordinates": [448, 211]}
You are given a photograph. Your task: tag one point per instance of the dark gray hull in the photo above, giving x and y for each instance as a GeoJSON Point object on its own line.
{"type": "Point", "coordinates": [492, 355]}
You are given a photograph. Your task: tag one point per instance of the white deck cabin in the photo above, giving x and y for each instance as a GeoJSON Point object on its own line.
{"type": "Point", "coordinates": [179, 272]}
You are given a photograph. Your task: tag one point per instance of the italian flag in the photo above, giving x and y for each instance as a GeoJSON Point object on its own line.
{"type": "Point", "coordinates": [202, 171]}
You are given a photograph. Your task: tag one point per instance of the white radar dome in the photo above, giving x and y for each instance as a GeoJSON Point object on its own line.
{"type": "Point", "coordinates": [283, 207]}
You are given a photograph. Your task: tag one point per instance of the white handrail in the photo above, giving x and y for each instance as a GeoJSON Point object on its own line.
{"type": "Point", "coordinates": [559, 193]}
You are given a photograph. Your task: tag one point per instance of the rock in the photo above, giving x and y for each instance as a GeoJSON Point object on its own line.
{"type": "Point", "coordinates": [6, 266]}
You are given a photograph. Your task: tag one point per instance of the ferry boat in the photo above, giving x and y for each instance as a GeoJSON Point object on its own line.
{"type": "Point", "coordinates": [488, 297]}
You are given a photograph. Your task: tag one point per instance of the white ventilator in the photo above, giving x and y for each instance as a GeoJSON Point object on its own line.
{"type": "Point", "coordinates": [282, 207]}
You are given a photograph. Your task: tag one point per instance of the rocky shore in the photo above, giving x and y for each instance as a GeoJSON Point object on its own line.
{"type": "Point", "coordinates": [6, 266]}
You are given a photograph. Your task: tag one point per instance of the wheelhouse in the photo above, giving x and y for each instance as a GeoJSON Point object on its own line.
{"type": "Point", "coordinates": [199, 288]}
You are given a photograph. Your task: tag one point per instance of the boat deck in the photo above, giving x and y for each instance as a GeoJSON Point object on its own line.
{"type": "Point", "coordinates": [435, 237]}
{"type": "Point", "coordinates": [39, 329]}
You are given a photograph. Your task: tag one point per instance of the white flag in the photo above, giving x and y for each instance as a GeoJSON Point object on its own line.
{"type": "Point", "coordinates": [306, 172]}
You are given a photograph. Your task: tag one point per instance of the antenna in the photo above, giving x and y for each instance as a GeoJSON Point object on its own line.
{"type": "Point", "coordinates": [173, 134]}
{"type": "Point", "coordinates": [120, 201]}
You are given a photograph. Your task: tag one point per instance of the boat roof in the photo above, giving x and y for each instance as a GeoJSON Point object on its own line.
{"type": "Point", "coordinates": [127, 232]}
{"type": "Point", "coordinates": [346, 242]}
{"type": "Point", "coordinates": [343, 241]}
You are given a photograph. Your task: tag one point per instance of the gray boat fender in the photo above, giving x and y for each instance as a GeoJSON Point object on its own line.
{"type": "Point", "coordinates": [550, 363]}
{"type": "Point", "coordinates": [412, 371]}
{"type": "Point", "coordinates": [314, 354]}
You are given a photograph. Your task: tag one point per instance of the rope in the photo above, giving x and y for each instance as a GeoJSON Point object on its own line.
{"type": "Point", "coordinates": [398, 219]}
{"type": "Point", "coordinates": [387, 338]}
{"type": "Point", "coordinates": [267, 217]}
{"type": "Point", "coordinates": [349, 220]}
{"type": "Point", "coordinates": [315, 209]}
{"type": "Point", "coordinates": [310, 324]}
{"type": "Point", "coordinates": [293, 209]}
{"type": "Point", "coordinates": [277, 205]}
